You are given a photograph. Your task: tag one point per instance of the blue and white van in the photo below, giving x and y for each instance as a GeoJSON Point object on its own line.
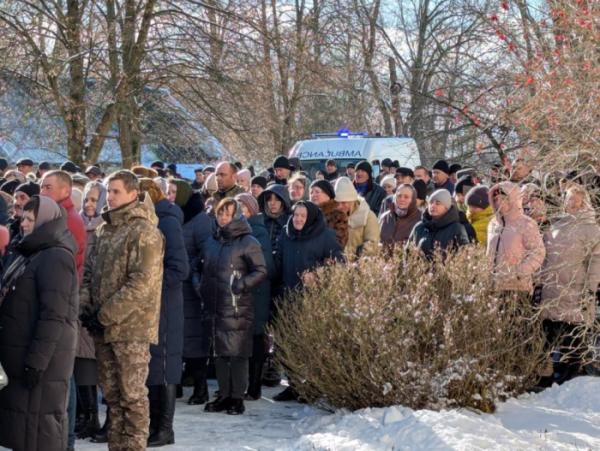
{"type": "Point", "coordinates": [346, 147]}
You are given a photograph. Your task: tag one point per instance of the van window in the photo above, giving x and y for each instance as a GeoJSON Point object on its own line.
{"type": "Point", "coordinates": [312, 166]}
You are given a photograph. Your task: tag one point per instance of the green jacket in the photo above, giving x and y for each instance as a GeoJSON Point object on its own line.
{"type": "Point", "coordinates": [123, 277]}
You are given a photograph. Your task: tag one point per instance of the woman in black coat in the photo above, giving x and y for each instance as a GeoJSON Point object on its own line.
{"type": "Point", "coordinates": [38, 331]}
{"type": "Point", "coordinates": [440, 226]}
{"type": "Point", "coordinates": [305, 244]}
{"type": "Point", "coordinates": [166, 357]}
{"type": "Point", "coordinates": [233, 264]}
{"type": "Point", "coordinates": [198, 228]}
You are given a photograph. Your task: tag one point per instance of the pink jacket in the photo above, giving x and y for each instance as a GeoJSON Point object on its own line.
{"type": "Point", "coordinates": [572, 269]}
{"type": "Point", "coordinates": [515, 247]}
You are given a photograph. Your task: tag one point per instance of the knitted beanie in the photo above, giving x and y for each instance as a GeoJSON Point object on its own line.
{"type": "Point", "coordinates": [324, 186]}
{"type": "Point", "coordinates": [442, 165]}
{"type": "Point", "coordinates": [478, 197]}
{"type": "Point", "coordinates": [344, 190]}
{"type": "Point", "coordinates": [443, 196]}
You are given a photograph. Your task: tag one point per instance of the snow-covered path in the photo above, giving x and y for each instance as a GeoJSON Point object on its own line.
{"type": "Point", "coordinates": [265, 425]}
{"type": "Point", "coordinates": [560, 418]}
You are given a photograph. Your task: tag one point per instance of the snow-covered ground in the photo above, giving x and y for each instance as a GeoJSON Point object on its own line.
{"type": "Point", "coordinates": [560, 418]}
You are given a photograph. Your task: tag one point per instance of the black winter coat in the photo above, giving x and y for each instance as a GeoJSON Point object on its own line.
{"type": "Point", "coordinates": [167, 356]}
{"type": "Point", "coordinates": [445, 232]}
{"type": "Point", "coordinates": [197, 329]}
{"type": "Point", "coordinates": [275, 225]}
{"type": "Point", "coordinates": [233, 250]}
{"type": "Point", "coordinates": [262, 292]}
{"type": "Point", "coordinates": [304, 251]}
{"type": "Point", "coordinates": [375, 197]}
{"type": "Point", "coordinates": [38, 328]}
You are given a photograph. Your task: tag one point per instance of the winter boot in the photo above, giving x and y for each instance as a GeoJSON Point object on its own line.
{"type": "Point", "coordinates": [236, 407]}
{"type": "Point", "coordinates": [255, 368]}
{"type": "Point", "coordinates": [254, 391]}
{"type": "Point", "coordinates": [154, 393]}
{"type": "Point", "coordinates": [91, 425]}
{"type": "Point", "coordinates": [289, 394]}
{"type": "Point", "coordinates": [218, 405]}
{"type": "Point", "coordinates": [102, 435]}
{"type": "Point", "coordinates": [80, 418]}
{"type": "Point", "coordinates": [271, 375]}
{"type": "Point", "coordinates": [163, 434]}
{"type": "Point", "coordinates": [200, 394]}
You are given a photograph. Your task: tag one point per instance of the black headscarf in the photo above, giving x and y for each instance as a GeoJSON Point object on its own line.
{"type": "Point", "coordinates": [314, 220]}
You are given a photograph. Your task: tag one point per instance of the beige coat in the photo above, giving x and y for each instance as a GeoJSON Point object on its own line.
{"type": "Point", "coordinates": [515, 247]}
{"type": "Point", "coordinates": [572, 268]}
{"type": "Point", "coordinates": [363, 230]}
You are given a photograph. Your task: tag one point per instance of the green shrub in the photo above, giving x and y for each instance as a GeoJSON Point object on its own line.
{"type": "Point", "coordinates": [384, 331]}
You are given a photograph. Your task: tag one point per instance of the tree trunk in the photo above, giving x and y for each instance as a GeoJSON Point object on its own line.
{"type": "Point", "coordinates": [395, 89]}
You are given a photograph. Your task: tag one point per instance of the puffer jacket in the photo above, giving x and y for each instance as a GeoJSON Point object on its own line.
{"type": "Point", "coordinates": [445, 232]}
{"type": "Point", "coordinates": [232, 253]}
{"type": "Point", "coordinates": [363, 230]}
{"type": "Point", "coordinates": [122, 284]}
{"type": "Point", "coordinates": [571, 271]}
{"type": "Point", "coordinates": [480, 221]}
{"type": "Point", "coordinates": [38, 328]}
{"type": "Point", "coordinates": [515, 247]}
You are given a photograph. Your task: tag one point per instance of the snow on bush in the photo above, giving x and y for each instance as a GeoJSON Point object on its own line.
{"type": "Point", "coordinates": [403, 330]}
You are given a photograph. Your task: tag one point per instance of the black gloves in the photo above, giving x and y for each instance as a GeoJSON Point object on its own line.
{"type": "Point", "coordinates": [31, 377]}
{"type": "Point", "coordinates": [237, 286]}
{"type": "Point", "coordinates": [91, 323]}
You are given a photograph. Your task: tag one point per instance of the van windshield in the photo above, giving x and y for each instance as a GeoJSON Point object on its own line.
{"type": "Point", "coordinates": [312, 166]}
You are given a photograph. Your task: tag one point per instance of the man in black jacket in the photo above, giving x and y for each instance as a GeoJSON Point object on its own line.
{"type": "Point", "coordinates": [365, 186]}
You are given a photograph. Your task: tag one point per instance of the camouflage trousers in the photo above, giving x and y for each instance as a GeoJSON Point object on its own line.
{"type": "Point", "coordinates": [122, 374]}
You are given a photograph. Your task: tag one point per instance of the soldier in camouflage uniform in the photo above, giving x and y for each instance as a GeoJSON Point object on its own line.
{"type": "Point", "coordinates": [120, 299]}
{"type": "Point", "coordinates": [226, 181]}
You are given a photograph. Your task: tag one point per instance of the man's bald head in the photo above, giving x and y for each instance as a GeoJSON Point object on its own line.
{"type": "Point", "coordinates": [56, 185]}
{"type": "Point", "coordinates": [225, 174]}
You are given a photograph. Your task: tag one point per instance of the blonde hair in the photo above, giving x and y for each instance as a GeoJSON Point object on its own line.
{"type": "Point", "coordinates": [297, 178]}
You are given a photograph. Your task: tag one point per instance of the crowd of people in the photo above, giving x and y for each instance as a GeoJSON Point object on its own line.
{"type": "Point", "coordinates": [137, 280]}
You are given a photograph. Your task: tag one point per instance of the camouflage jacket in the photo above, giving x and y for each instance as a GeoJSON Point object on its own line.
{"type": "Point", "coordinates": [123, 277]}
{"type": "Point", "coordinates": [218, 196]}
